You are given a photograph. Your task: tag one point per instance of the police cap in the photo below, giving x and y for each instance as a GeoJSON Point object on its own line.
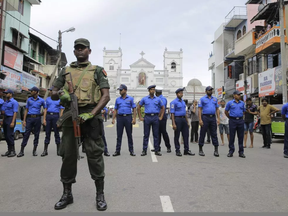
{"type": "Point", "coordinates": [179, 89]}
{"type": "Point", "coordinates": [8, 91]}
{"type": "Point", "coordinates": [151, 86]}
{"type": "Point", "coordinates": [121, 87]}
{"type": "Point", "coordinates": [237, 92]}
{"type": "Point", "coordinates": [34, 88]}
{"type": "Point", "coordinates": [208, 88]}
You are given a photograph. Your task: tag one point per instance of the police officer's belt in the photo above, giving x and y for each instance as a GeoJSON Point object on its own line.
{"type": "Point", "coordinates": [237, 118]}
{"type": "Point", "coordinates": [151, 114]}
{"type": "Point", "coordinates": [33, 116]}
{"type": "Point", "coordinates": [124, 114]}
{"type": "Point", "coordinates": [50, 113]}
{"type": "Point", "coordinates": [208, 115]}
{"type": "Point", "coordinates": [180, 116]}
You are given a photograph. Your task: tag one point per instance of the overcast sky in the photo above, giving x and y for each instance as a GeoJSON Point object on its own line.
{"type": "Point", "coordinates": [145, 25]}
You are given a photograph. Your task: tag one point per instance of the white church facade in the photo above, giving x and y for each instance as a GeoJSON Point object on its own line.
{"type": "Point", "coordinates": [142, 74]}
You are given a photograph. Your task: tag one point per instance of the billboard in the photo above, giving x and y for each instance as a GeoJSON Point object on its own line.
{"type": "Point", "coordinates": [12, 81]}
{"type": "Point", "coordinates": [266, 82]}
{"type": "Point", "coordinates": [13, 58]}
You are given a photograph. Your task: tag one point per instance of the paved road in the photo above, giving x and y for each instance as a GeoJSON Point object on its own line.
{"type": "Point", "coordinates": [257, 183]}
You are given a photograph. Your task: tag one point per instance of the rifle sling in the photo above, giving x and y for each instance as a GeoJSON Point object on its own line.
{"type": "Point", "coordinates": [81, 76]}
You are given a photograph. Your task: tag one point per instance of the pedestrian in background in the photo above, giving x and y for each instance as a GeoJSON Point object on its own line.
{"type": "Point", "coordinates": [33, 116]}
{"type": "Point", "coordinates": [194, 121]}
{"type": "Point", "coordinates": [154, 111]}
{"type": "Point", "coordinates": [224, 122]}
{"type": "Point", "coordinates": [208, 109]}
{"type": "Point", "coordinates": [265, 111]}
{"type": "Point", "coordinates": [9, 109]}
{"type": "Point", "coordinates": [235, 110]}
{"type": "Point", "coordinates": [123, 111]}
{"type": "Point", "coordinates": [251, 111]}
{"type": "Point", "coordinates": [180, 123]}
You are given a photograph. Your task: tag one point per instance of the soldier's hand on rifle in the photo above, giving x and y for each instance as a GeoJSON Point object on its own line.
{"type": "Point", "coordinates": [85, 116]}
{"type": "Point", "coordinates": [64, 96]}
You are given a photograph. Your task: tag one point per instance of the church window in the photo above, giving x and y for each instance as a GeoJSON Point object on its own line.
{"type": "Point", "coordinates": [111, 66]}
{"type": "Point", "coordinates": [239, 34]}
{"type": "Point", "coordinates": [173, 66]}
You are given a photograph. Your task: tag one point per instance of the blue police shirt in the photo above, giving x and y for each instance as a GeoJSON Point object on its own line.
{"type": "Point", "coordinates": [284, 110]}
{"type": "Point", "coordinates": [164, 100]}
{"type": "Point", "coordinates": [1, 103]}
{"type": "Point", "coordinates": [152, 105]}
{"type": "Point", "coordinates": [34, 106]}
{"type": "Point", "coordinates": [208, 105]}
{"type": "Point", "coordinates": [53, 106]}
{"type": "Point", "coordinates": [124, 105]}
{"type": "Point", "coordinates": [236, 109]}
{"type": "Point", "coordinates": [106, 110]}
{"type": "Point", "coordinates": [10, 107]}
{"type": "Point", "coordinates": [178, 107]}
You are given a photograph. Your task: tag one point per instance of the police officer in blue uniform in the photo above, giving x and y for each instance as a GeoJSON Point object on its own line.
{"type": "Point", "coordinates": [163, 123]}
{"type": "Point", "coordinates": [207, 107]}
{"type": "Point", "coordinates": [234, 111]}
{"type": "Point", "coordinates": [105, 113]}
{"type": "Point", "coordinates": [33, 116]}
{"type": "Point", "coordinates": [154, 111]}
{"type": "Point", "coordinates": [52, 112]}
{"type": "Point", "coordinates": [284, 114]}
{"type": "Point", "coordinates": [123, 110]}
{"type": "Point", "coordinates": [10, 109]}
{"type": "Point", "coordinates": [180, 122]}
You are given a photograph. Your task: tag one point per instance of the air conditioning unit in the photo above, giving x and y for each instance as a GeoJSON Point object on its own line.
{"type": "Point", "coordinates": [241, 76]}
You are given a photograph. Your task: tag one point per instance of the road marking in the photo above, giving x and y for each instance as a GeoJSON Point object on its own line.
{"type": "Point", "coordinates": [136, 125]}
{"type": "Point", "coordinates": [166, 204]}
{"type": "Point", "coordinates": [153, 156]}
{"type": "Point", "coordinates": [110, 125]}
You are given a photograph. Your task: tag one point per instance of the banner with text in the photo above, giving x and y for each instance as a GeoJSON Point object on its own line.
{"type": "Point", "coordinates": [28, 81]}
{"type": "Point", "coordinates": [12, 81]}
{"type": "Point", "coordinates": [13, 58]}
{"type": "Point", "coordinates": [241, 87]}
{"type": "Point", "coordinates": [266, 82]}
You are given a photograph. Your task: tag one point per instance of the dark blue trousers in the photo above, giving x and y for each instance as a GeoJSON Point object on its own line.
{"type": "Point", "coordinates": [286, 138]}
{"type": "Point", "coordinates": [51, 123]}
{"type": "Point", "coordinates": [32, 123]}
{"type": "Point", "coordinates": [211, 124]}
{"type": "Point", "coordinates": [182, 127]}
{"type": "Point", "coordinates": [163, 132]}
{"type": "Point", "coordinates": [104, 139]}
{"type": "Point", "coordinates": [8, 131]}
{"type": "Point", "coordinates": [148, 122]}
{"type": "Point", "coordinates": [124, 122]}
{"type": "Point", "coordinates": [236, 126]}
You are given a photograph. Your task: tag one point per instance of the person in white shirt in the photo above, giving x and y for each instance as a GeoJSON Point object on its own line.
{"type": "Point", "coordinates": [224, 122]}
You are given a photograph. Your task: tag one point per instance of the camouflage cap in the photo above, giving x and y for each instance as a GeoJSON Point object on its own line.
{"type": "Point", "coordinates": [82, 41]}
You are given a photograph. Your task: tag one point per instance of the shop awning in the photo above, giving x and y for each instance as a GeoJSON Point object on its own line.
{"type": "Point", "coordinates": [268, 13]}
{"type": "Point", "coordinates": [253, 2]}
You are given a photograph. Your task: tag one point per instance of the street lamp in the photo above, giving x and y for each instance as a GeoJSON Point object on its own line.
{"type": "Point", "coordinates": [58, 64]}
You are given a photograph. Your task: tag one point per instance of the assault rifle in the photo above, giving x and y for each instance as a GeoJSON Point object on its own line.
{"type": "Point", "coordinates": [73, 112]}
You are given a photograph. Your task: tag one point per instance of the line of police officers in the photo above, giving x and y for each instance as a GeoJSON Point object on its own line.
{"type": "Point", "coordinates": [31, 121]}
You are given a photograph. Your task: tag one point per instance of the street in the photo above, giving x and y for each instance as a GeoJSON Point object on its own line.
{"type": "Point", "coordinates": [168, 183]}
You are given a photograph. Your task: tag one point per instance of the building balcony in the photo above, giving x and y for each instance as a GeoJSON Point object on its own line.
{"type": "Point", "coordinates": [211, 62]}
{"type": "Point", "coordinates": [246, 44]}
{"type": "Point", "coordinates": [269, 42]}
{"type": "Point", "coordinates": [236, 16]}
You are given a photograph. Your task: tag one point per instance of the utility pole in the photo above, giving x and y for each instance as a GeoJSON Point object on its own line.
{"type": "Point", "coordinates": [283, 51]}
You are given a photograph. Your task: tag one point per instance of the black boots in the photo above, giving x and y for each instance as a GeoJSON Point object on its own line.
{"type": "Point", "coordinates": [21, 153]}
{"type": "Point", "coordinates": [12, 152]}
{"type": "Point", "coordinates": [45, 152]}
{"type": "Point", "coordinates": [216, 154]}
{"type": "Point", "coordinates": [7, 153]}
{"type": "Point", "coordinates": [201, 153]}
{"type": "Point", "coordinates": [101, 204]}
{"type": "Point", "coordinates": [34, 151]}
{"type": "Point", "coordinates": [58, 145]}
{"type": "Point", "coordinates": [67, 197]}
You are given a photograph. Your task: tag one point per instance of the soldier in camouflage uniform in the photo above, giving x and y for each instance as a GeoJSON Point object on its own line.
{"type": "Point", "coordinates": [92, 90]}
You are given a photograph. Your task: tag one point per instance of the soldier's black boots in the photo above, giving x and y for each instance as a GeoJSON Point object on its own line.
{"type": "Point", "coordinates": [67, 197]}
{"type": "Point", "coordinates": [101, 204]}
{"type": "Point", "coordinates": [45, 152]}
{"type": "Point", "coordinates": [34, 151]}
{"type": "Point", "coordinates": [216, 154]}
{"type": "Point", "coordinates": [7, 153]}
{"type": "Point", "coordinates": [12, 152]}
{"type": "Point", "coordinates": [201, 153]}
{"type": "Point", "coordinates": [21, 153]}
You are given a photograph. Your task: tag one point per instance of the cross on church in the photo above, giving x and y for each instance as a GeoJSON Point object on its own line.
{"type": "Point", "coordinates": [142, 54]}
